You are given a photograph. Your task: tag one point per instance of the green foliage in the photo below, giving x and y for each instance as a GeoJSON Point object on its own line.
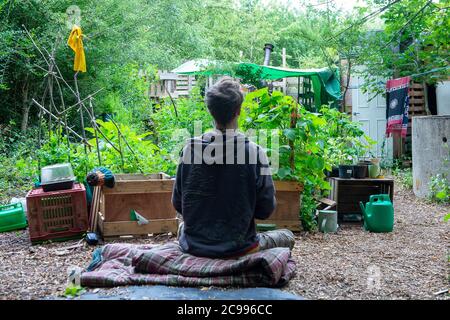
{"type": "Point", "coordinates": [306, 141]}
{"type": "Point", "coordinates": [72, 291]}
{"type": "Point", "coordinates": [142, 155]}
{"type": "Point", "coordinates": [440, 188]}
{"type": "Point", "coordinates": [346, 141]}
{"type": "Point", "coordinates": [414, 40]}
{"type": "Point", "coordinates": [440, 183]}
{"type": "Point", "coordinates": [404, 177]}
{"type": "Point", "coordinates": [16, 170]}
{"type": "Point", "coordinates": [171, 128]}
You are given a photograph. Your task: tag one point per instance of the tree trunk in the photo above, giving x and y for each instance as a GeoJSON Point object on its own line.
{"type": "Point", "coordinates": [25, 106]}
{"type": "Point", "coordinates": [25, 116]}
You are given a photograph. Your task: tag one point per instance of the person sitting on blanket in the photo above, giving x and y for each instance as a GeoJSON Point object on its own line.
{"type": "Point", "coordinates": [223, 183]}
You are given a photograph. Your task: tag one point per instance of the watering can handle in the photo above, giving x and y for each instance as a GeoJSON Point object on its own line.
{"type": "Point", "coordinates": [376, 197]}
{"type": "Point", "coordinates": [323, 224]}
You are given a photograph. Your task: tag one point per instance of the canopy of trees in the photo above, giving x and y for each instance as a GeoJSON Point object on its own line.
{"type": "Point", "coordinates": [125, 37]}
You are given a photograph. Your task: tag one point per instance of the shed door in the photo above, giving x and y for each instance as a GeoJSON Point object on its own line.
{"type": "Point", "coordinates": [372, 115]}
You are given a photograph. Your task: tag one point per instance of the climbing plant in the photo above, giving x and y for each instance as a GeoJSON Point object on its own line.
{"type": "Point", "coordinates": [304, 141]}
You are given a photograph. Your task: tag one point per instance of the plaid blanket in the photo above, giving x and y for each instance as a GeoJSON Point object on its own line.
{"type": "Point", "coordinates": [127, 264]}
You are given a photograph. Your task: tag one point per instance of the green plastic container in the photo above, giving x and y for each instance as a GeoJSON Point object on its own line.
{"type": "Point", "coordinates": [378, 213]}
{"type": "Point", "coordinates": [12, 217]}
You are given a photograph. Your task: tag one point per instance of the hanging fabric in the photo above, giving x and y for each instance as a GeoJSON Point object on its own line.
{"type": "Point", "coordinates": [75, 42]}
{"type": "Point", "coordinates": [397, 106]}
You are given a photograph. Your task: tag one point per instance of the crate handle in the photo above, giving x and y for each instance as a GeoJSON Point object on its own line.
{"type": "Point", "coordinates": [59, 229]}
{"type": "Point", "coordinates": [11, 205]}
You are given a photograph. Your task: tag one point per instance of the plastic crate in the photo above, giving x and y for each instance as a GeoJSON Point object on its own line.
{"type": "Point", "coordinates": [57, 215]}
{"type": "Point", "coordinates": [12, 217]}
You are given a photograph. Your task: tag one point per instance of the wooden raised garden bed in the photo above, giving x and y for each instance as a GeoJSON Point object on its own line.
{"type": "Point", "coordinates": [287, 212]}
{"type": "Point", "coordinates": [150, 196]}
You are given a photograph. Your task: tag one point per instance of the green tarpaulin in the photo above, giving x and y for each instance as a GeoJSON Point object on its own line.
{"type": "Point", "coordinates": [325, 83]}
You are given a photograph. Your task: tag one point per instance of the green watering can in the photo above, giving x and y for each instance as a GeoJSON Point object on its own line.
{"type": "Point", "coordinates": [378, 213]}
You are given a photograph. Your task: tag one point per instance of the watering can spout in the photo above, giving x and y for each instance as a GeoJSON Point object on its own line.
{"type": "Point", "coordinates": [361, 204]}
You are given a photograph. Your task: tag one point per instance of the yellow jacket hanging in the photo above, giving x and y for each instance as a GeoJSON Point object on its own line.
{"type": "Point", "coordinates": [75, 42]}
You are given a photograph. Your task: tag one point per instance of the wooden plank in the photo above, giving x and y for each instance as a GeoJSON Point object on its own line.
{"type": "Point", "coordinates": [287, 186]}
{"type": "Point", "coordinates": [100, 221]}
{"type": "Point", "coordinates": [288, 206]}
{"type": "Point", "coordinates": [140, 186]}
{"type": "Point", "coordinates": [328, 202]}
{"type": "Point", "coordinates": [415, 85]}
{"type": "Point", "coordinates": [293, 225]}
{"type": "Point", "coordinates": [134, 176]}
{"type": "Point", "coordinates": [124, 228]}
{"type": "Point", "coordinates": [417, 109]}
{"type": "Point", "coordinates": [96, 202]}
{"type": "Point", "coordinates": [93, 212]}
{"type": "Point", "coordinates": [149, 205]}
{"type": "Point", "coordinates": [356, 181]}
{"type": "Point", "coordinates": [416, 100]}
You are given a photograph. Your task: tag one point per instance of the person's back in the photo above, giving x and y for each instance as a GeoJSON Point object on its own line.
{"type": "Point", "coordinates": [223, 183]}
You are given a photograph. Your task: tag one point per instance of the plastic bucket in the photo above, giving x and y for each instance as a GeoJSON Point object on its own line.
{"type": "Point", "coordinates": [327, 221]}
{"type": "Point", "coordinates": [374, 170]}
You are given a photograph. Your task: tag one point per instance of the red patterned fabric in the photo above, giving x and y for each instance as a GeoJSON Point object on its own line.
{"type": "Point", "coordinates": [397, 106]}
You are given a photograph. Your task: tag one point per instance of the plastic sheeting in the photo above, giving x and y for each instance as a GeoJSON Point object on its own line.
{"type": "Point", "coordinates": [325, 82]}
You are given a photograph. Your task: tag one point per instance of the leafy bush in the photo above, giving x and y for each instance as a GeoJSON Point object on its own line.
{"type": "Point", "coordinates": [171, 128]}
{"type": "Point", "coordinates": [404, 177]}
{"type": "Point", "coordinates": [346, 141]}
{"type": "Point", "coordinates": [440, 188]}
{"type": "Point", "coordinates": [307, 142]}
{"type": "Point", "coordinates": [142, 155]}
{"type": "Point", "coordinates": [440, 184]}
{"type": "Point", "coordinates": [17, 152]}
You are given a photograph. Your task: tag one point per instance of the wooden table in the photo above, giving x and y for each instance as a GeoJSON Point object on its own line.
{"type": "Point", "coordinates": [349, 192]}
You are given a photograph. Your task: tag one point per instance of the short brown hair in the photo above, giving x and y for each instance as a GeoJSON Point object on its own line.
{"type": "Point", "coordinates": [224, 99]}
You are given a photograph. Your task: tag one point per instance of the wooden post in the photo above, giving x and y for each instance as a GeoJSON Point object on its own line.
{"type": "Point", "coordinates": [189, 84]}
{"type": "Point", "coordinates": [283, 57]}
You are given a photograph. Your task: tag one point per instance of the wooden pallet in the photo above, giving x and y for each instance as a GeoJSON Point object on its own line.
{"type": "Point", "coordinates": [416, 108]}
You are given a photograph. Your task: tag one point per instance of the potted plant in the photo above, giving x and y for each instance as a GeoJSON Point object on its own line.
{"type": "Point", "coordinates": [332, 154]}
{"type": "Point", "coordinates": [346, 167]}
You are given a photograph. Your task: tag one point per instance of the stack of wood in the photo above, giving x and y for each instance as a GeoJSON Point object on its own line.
{"type": "Point", "coordinates": [95, 206]}
{"type": "Point", "coordinates": [417, 98]}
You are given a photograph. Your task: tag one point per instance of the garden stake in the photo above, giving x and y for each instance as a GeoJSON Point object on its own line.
{"type": "Point", "coordinates": [95, 131]}
{"type": "Point", "coordinates": [83, 132]}
{"type": "Point", "coordinates": [173, 102]}
{"type": "Point", "coordinates": [56, 118]}
{"type": "Point", "coordinates": [127, 144]}
{"type": "Point", "coordinates": [99, 131]}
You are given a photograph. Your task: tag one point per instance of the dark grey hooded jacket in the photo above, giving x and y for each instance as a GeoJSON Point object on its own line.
{"type": "Point", "coordinates": [223, 183]}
